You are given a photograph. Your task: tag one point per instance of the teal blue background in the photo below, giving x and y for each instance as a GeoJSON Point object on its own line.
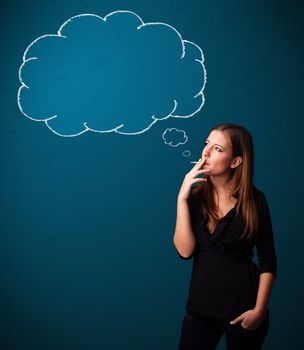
{"type": "Point", "coordinates": [87, 258]}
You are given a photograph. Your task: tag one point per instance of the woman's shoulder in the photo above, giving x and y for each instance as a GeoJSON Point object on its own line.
{"type": "Point", "coordinates": [259, 197]}
{"type": "Point", "coordinates": [258, 192]}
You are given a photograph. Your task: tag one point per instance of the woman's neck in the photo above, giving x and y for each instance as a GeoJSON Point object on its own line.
{"type": "Point", "coordinates": [221, 185]}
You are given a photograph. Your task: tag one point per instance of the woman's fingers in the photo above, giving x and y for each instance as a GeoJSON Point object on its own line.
{"type": "Point", "coordinates": [200, 162]}
{"type": "Point", "coordinates": [202, 171]}
{"type": "Point", "coordinates": [193, 181]}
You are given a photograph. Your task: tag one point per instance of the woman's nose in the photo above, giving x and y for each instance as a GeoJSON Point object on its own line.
{"type": "Point", "coordinates": [206, 153]}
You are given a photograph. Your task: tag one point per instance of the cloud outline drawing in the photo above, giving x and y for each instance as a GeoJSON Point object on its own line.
{"type": "Point", "coordinates": [174, 131]}
{"type": "Point", "coordinates": [85, 124]}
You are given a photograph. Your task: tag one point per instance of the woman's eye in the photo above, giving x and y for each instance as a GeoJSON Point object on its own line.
{"type": "Point", "coordinates": [206, 143]}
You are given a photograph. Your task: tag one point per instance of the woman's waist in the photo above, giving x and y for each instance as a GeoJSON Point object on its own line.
{"type": "Point", "coordinates": [222, 270]}
{"type": "Point", "coordinates": [230, 254]}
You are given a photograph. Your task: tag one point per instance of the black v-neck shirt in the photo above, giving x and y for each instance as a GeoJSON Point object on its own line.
{"type": "Point", "coordinates": [224, 280]}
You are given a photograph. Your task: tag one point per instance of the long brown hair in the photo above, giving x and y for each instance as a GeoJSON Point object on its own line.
{"type": "Point", "coordinates": [240, 178]}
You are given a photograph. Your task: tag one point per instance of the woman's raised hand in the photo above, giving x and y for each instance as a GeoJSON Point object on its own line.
{"type": "Point", "coordinates": [190, 178]}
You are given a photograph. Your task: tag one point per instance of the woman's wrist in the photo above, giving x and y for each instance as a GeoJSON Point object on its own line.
{"type": "Point", "coordinates": [181, 199]}
{"type": "Point", "coordinates": [260, 310]}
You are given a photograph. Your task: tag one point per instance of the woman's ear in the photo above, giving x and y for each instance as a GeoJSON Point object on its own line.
{"type": "Point", "coordinates": [236, 162]}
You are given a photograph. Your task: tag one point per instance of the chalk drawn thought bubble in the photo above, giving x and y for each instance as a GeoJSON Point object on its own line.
{"type": "Point", "coordinates": [174, 137]}
{"type": "Point", "coordinates": [112, 74]}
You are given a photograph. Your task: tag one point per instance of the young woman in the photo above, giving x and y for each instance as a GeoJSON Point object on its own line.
{"type": "Point", "coordinates": [219, 222]}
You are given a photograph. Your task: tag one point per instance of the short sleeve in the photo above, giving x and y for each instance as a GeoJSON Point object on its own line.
{"type": "Point", "coordinates": [265, 241]}
{"type": "Point", "coordinates": [192, 212]}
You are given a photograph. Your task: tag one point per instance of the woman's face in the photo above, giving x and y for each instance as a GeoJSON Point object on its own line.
{"type": "Point", "coordinates": [218, 153]}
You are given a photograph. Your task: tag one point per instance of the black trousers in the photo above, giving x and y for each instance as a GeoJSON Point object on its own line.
{"type": "Point", "coordinates": [204, 333]}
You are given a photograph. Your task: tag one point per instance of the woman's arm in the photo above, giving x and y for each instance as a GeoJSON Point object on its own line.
{"type": "Point", "coordinates": [264, 292]}
{"type": "Point", "coordinates": [183, 239]}
{"type": "Point", "coordinates": [267, 257]}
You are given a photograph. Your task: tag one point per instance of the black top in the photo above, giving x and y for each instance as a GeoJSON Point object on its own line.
{"type": "Point", "coordinates": [224, 280]}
